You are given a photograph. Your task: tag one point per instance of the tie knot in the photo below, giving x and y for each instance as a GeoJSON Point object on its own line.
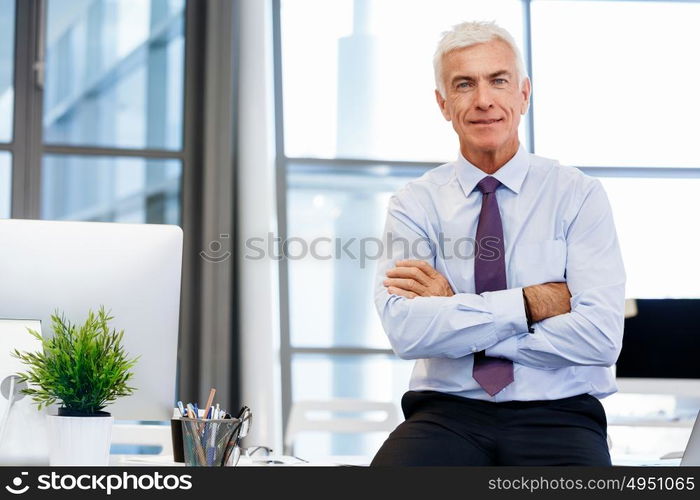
{"type": "Point", "coordinates": [488, 184]}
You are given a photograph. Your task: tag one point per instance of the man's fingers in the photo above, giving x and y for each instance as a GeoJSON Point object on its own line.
{"type": "Point", "coordinates": [420, 264]}
{"type": "Point", "coordinates": [403, 293]}
{"type": "Point", "coordinates": [409, 272]}
{"type": "Point", "coordinates": [404, 283]}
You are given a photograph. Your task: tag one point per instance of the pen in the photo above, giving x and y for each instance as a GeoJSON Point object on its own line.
{"type": "Point", "coordinates": [190, 411]}
{"type": "Point", "coordinates": [181, 408]}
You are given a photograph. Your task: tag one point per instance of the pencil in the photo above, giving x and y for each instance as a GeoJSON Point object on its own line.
{"type": "Point", "coordinates": [210, 401]}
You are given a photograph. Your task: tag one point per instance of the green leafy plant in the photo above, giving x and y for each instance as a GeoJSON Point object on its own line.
{"type": "Point", "coordinates": [84, 367]}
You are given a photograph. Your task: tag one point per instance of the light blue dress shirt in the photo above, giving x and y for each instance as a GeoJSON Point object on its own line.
{"type": "Point", "coordinates": [557, 226]}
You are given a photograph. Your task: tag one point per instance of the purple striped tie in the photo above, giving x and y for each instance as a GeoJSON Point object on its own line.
{"type": "Point", "coordinates": [493, 374]}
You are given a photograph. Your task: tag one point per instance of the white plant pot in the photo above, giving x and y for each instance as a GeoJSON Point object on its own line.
{"type": "Point", "coordinates": [79, 440]}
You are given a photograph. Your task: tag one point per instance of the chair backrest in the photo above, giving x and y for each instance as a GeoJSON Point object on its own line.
{"type": "Point", "coordinates": [300, 418]}
{"type": "Point", "coordinates": [143, 435]}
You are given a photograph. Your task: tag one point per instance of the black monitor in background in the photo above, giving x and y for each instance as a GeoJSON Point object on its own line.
{"type": "Point", "coordinates": [662, 340]}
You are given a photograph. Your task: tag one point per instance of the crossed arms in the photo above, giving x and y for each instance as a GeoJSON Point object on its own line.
{"type": "Point", "coordinates": [578, 322]}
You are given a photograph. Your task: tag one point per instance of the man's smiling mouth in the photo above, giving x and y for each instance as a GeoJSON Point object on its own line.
{"type": "Point", "coordinates": [485, 122]}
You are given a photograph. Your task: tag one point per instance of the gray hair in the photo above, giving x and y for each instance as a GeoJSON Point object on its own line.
{"type": "Point", "coordinates": [471, 33]}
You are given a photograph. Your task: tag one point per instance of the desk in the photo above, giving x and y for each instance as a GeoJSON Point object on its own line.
{"type": "Point", "coordinates": [167, 461]}
{"type": "Point", "coordinates": [337, 461]}
{"type": "Point", "coordinates": [641, 461]}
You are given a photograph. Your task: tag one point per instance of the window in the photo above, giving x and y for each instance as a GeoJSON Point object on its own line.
{"type": "Point", "coordinates": [360, 120]}
{"type": "Point", "coordinates": [331, 207]}
{"type": "Point", "coordinates": [621, 94]}
{"type": "Point", "coordinates": [656, 238]}
{"type": "Point", "coordinates": [5, 184]}
{"type": "Point", "coordinates": [7, 49]}
{"type": "Point", "coordinates": [115, 189]}
{"type": "Point", "coordinates": [336, 212]}
{"type": "Point", "coordinates": [326, 376]}
{"type": "Point", "coordinates": [355, 88]}
{"type": "Point", "coordinates": [109, 125]}
{"type": "Point", "coordinates": [114, 83]}
{"type": "Point", "coordinates": [114, 73]}
{"type": "Point", "coordinates": [356, 85]}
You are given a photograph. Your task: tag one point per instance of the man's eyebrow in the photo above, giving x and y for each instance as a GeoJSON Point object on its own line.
{"type": "Point", "coordinates": [502, 72]}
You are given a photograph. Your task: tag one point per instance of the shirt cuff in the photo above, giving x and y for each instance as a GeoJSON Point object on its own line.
{"type": "Point", "coordinates": [508, 309]}
{"type": "Point", "coordinates": [507, 349]}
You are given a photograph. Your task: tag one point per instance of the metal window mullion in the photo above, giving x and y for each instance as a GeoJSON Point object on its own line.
{"type": "Point", "coordinates": [527, 24]}
{"type": "Point", "coordinates": [597, 170]}
{"type": "Point", "coordinates": [347, 351]}
{"type": "Point", "coordinates": [364, 162]}
{"type": "Point", "coordinates": [643, 172]}
{"type": "Point", "coordinates": [69, 150]}
{"type": "Point", "coordinates": [26, 159]}
{"type": "Point", "coordinates": [281, 174]}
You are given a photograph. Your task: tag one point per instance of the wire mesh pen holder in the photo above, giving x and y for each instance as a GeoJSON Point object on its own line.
{"type": "Point", "coordinates": [211, 443]}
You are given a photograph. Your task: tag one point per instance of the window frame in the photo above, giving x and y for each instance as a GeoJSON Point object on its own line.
{"type": "Point", "coordinates": [283, 164]}
{"type": "Point", "coordinates": [28, 145]}
{"type": "Point", "coordinates": [208, 340]}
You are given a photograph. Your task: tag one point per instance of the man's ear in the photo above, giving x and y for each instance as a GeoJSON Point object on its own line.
{"type": "Point", "coordinates": [525, 90]}
{"type": "Point", "coordinates": [442, 103]}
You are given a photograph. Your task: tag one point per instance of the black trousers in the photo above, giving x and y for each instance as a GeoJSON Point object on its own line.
{"type": "Point", "coordinates": [443, 429]}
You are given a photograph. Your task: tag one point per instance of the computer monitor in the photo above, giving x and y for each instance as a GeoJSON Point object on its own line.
{"type": "Point", "coordinates": [23, 434]}
{"type": "Point", "coordinates": [133, 270]}
{"type": "Point", "coordinates": [660, 347]}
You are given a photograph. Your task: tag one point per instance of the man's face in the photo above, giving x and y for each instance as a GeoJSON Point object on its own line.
{"type": "Point", "coordinates": [483, 98]}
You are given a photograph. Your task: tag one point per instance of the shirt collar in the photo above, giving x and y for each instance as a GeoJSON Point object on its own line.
{"type": "Point", "coordinates": [511, 175]}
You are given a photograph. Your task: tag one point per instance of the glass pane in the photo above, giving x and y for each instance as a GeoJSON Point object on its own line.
{"type": "Point", "coordinates": [111, 189]}
{"type": "Point", "coordinates": [335, 218]}
{"type": "Point", "coordinates": [370, 377]}
{"type": "Point", "coordinates": [7, 65]}
{"type": "Point", "coordinates": [5, 184]}
{"type": "Point", "coordinates": [658, 240]}
{"type": "Point", "coordinates": [594, 95]}
{"type": "Point", "coordinates": [114, 73]}
{"type": "Point", "coordinates": [360, 84]}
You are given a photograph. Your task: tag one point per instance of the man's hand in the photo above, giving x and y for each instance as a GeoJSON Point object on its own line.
{"type": "Point", "coordinates": [547, 300]}
{"type": "Point", "coordinates": [414, 278]}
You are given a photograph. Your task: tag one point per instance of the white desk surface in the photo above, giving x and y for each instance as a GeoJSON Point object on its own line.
{"type": "Point", "coordinates": [258, 461]}
{"type": "Point", "coordinates": [336, 461]}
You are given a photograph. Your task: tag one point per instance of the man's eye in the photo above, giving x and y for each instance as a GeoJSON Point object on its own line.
{"type": "Point", "coordinates": [464, 85]}
{"type": "Point", "coordinates": [500, 81]}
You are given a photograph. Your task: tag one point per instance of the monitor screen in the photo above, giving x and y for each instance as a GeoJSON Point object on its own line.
{"type": "Point", "coordinates": [662, 340]}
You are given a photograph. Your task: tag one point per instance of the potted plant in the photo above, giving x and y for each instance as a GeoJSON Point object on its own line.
{"type": "Point", "coordinates": [84, 368]}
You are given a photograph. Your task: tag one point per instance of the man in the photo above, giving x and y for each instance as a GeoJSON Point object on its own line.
{"type": "Point", "coordinates": [513, 341]}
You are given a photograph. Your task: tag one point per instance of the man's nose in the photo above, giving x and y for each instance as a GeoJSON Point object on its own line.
{"type": "Point", "coordinates": [483, 99]}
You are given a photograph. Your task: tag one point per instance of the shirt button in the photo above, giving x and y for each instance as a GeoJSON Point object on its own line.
{"type": "Point", "coordinates": [473, 349]}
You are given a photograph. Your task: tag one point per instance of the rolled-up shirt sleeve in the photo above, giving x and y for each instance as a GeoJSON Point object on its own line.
{"type": "Point", "coordinates": [432, 327]}
{"type": "Point", "coordinates": [591, 334]}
